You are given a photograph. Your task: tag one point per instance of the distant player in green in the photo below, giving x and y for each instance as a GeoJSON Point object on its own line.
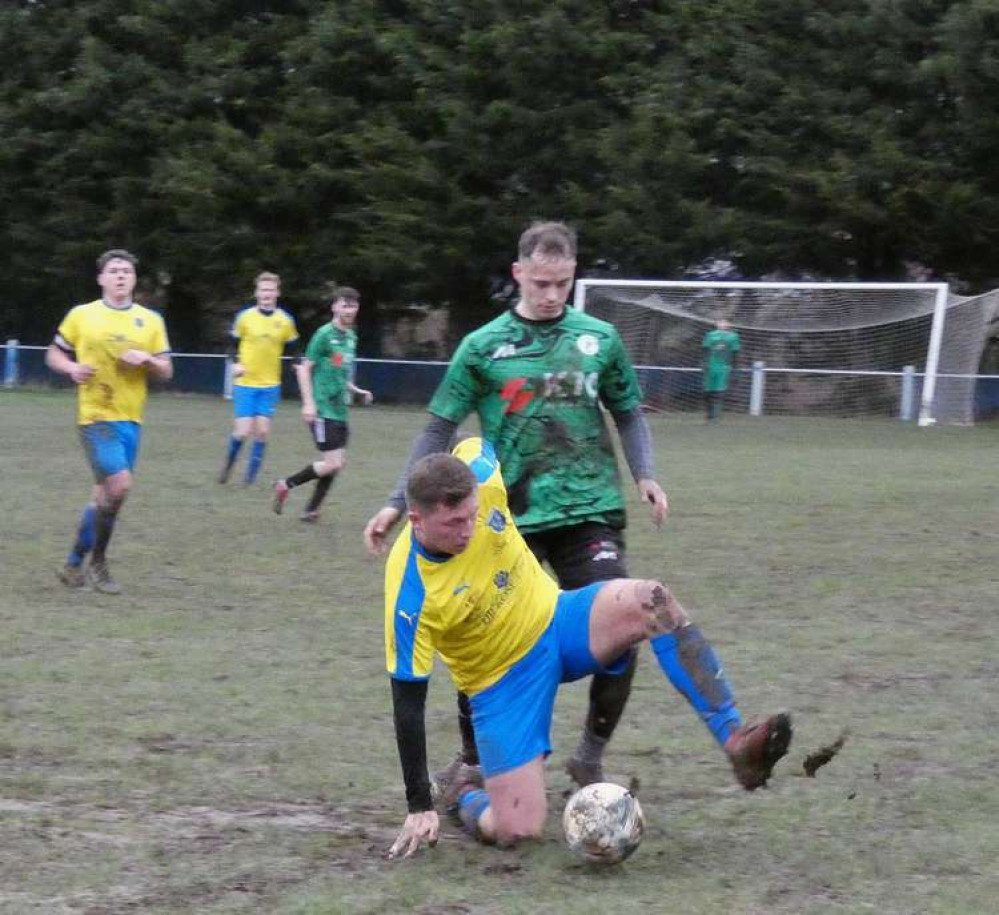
{"type": "Point", "coordinates": [538, 377]}
{"type": "Point", "coordinates": [721, 352]}
{"type": "Point", "coordinates": [325, 378]}
{"type": "Point", "coordinates": [108, 348]}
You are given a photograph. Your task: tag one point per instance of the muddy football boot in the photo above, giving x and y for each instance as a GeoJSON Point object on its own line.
{"type": "Point", "coordinates": [582, 773]}
{"type": "Point", "coordinates": [72, 576]}
{"type": "Point", "coordinates": [755, 749]}
{"type": "Point", "coordinates": [100, 578]}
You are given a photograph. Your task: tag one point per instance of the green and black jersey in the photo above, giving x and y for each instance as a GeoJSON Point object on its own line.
{"type": "Point", "coordinates": [332, 351]}
{"type": "Point", "coordinates": [536, 387]}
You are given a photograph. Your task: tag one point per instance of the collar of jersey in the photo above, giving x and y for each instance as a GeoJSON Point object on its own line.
{"type": "Point", "coordinates": [426, 554]}
{"type": "Point", "coordinates": [107, 304]}
{"type": "Point", "coordinates": [545, 322]}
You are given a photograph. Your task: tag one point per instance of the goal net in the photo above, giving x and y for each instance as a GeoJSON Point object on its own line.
{"type": "Point", "coordinates": [848, 349]}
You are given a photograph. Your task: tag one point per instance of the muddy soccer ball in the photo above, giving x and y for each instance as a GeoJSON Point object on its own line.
{"type": "Point", "coordinates": [603, 823]}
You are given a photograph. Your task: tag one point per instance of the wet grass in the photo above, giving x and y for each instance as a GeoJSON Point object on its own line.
{"type": "Point", "coordinates": [218, 739]}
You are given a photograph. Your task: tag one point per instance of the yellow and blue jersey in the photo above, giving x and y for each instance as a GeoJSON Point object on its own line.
{"type": "Point", "coordinates": [481, 610]}
{"type": "Point", "coordinates": [98, 334]}
{"type": "Point", "coordinates": [262, 336]}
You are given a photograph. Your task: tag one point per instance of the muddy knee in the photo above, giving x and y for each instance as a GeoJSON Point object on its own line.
{"type": "Point", "coordinates": [662, 610]}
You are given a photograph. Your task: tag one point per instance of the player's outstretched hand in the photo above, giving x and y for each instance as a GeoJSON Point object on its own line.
{"type": "Point", "coordinates": [658, 503]}
{"type": "Point", "coordinates": [366, 396]}
{"type": "Point", "coordinates": [377, 529]}
{"type": "Point", "coordinates": [417, 828]}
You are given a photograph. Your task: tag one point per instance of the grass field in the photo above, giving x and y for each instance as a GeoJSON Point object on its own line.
{"type": "Point", "coordinates": [219, 738]}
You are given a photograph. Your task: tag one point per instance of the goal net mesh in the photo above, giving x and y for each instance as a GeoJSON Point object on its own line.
{"type": "Point", "coordinates": [828, 350]}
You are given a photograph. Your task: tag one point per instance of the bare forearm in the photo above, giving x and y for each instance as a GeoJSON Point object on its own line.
{"type": "Point", "coordinates": [303, 372]}
{"type": "Point", "coordinates": [160, 367]}
{"type": "Point", "coordinates": [58, 360]}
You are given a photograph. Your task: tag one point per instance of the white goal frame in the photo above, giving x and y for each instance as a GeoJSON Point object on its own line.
{"type": "Point", "coordinates": [941, 298]}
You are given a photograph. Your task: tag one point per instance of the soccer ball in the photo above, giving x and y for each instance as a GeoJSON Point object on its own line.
{"type": "Point", "coordinates": [603, 823]}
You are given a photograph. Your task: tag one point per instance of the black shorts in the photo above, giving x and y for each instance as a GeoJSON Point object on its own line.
{"type": "Point", "coordinates": [581, 554]}
{"type": "Point", "coordinates": [329, 434]}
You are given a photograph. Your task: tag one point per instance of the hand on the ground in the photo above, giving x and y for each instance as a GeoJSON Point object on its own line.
{"type": "Point", "coordinates": [417, 828]}
{"type": "Point", "coordinates": [377, 529]}
{"type": "Point", "coordinates": [134, 357]}
{"type": "Point", "coordinates": [81, 373]}
{"type": "Point", "coordinates": [658, 503]}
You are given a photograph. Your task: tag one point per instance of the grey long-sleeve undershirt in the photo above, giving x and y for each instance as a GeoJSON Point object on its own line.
{"type": "Point", "coordinates": [632, 427]}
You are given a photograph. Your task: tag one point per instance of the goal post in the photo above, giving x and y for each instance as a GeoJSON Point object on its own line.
{"type": "Point", "coordinates": [807, 347]}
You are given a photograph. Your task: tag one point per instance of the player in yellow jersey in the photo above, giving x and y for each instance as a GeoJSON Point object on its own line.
{"type": "Point", "coordinates": [260, 333]}
{"type": "Point", "coordinates": [108, 348]}
{"type": "Point", "coordinates": [461, 582]}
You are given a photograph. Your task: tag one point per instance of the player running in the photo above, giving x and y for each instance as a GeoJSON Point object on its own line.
{"type": "Point", "coordinates": [108, 348]}
{"type": "Point", "coordinates": [260, 334]}
{"type": "Point", "coordinates": [325, 378]}
{"type": "Point", "coordinates": [537, 377]}
{"type": "Point", "coordinates": [461, 582]}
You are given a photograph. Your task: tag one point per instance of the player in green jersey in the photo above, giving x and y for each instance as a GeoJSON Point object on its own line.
{"type": "Point", "coordinates": [721, 352]}
{"type": "Point", "coordinates": [537, 377]}
{"type": "Point", "coordinates": [325, 378]}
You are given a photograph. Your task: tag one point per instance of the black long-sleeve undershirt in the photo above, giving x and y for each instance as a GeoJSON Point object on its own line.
{"type": "Point", "coordinates": [409, 701]}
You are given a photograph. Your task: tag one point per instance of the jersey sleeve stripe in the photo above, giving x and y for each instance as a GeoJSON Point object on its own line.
{"type": "Point", "coordinates": [484, 464]}
{"type": "Point", "coordinates": [408, 607]}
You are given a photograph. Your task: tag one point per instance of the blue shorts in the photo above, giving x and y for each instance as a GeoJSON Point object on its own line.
{"type": "Point", "coordinates": [255, 401]}
{"type": "Point", "coordinates": [513, 717]}
{"type": "Point", "coordinates": [111, 446]}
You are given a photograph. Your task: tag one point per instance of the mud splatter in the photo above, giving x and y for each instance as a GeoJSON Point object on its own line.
{"type": "Point", "coordinates": [823, 755]}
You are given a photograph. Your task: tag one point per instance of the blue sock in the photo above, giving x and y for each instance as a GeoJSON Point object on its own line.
{"type": "Point", "coordinates": [85, 535]}
{"type": "Point", "coordinates": [471, 805]}
{"type": "Point", "coordinates": [235, 445]}
{"type": "Point", "coordinates": [256, 459]}
{"type": "Point", "coordinates": [694, 669]}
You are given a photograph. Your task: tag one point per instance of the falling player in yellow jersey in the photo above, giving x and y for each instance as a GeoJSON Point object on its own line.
{"type": "Point", "coordinates": [108, 348]}
{"type": "Point", "coordinates": [462, 583]}
{"type": "Point", "coordinates": [259, 334]}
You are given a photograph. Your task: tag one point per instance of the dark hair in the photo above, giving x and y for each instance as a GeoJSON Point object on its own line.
{"type": "Point", "coordinates": [119, 254]}
{"type": "Point", "coordinates": [346, 292]}
{"type": "Point", "coordinates": [439, 479]}
{"type": "Point", "coordinates": [548, 240]}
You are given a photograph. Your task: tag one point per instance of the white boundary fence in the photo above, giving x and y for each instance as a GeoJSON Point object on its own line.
{"type": "Point", "coordinates": [413, 380]}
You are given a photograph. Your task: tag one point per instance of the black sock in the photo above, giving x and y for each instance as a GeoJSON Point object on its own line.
{"type": "Point", "coordinates": [469, 751]}
{"type": "Point", "coordinates": [303, 476]}
{"type": "Point", "coordinates": [103, 528]}
{"type": "Point", "coordinates": [323, 485]}
{"type": "Point", "coordinates": [608, 697]}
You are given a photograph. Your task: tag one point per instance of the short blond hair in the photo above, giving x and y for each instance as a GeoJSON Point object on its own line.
{"type": "Point", "coordinates": [266, 277]}
{"type": "Point", "coordinates": [548, 241]}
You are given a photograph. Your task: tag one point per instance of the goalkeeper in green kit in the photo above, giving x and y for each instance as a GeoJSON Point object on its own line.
{"type": "Point", "coordinates": [536, 377]}
{"type": "Point", "coordinates": [721, 352]}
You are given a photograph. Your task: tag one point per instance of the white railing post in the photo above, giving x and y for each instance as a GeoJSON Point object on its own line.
{"type": "Point", "coordinates": [907, 408]}
{"type": "Point", "coordinates": [756, 388]}
{"type": "Point", "coordinates": [10, 364]}
{"type": "Point", "coordinates": [228, 380]}
{"type": "Point", "coordinates": [926, 417]}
